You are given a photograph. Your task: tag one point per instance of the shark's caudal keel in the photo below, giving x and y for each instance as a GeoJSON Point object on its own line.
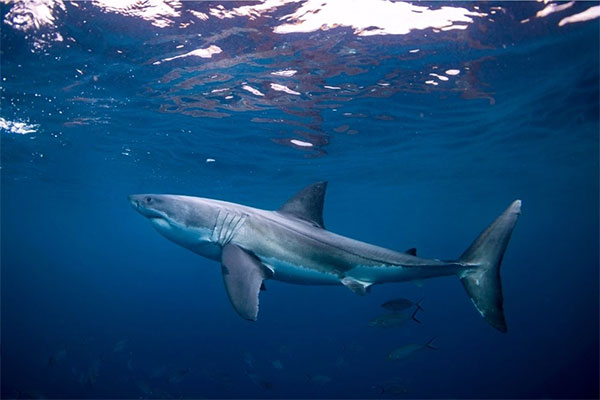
{"type": "Point", "coordinates": [292, 245]}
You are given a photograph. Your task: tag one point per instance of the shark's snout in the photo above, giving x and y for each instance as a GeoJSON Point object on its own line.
{"type": "Point", "coordinates": [133, 200]}
{"type": "Point", "coordinates": [145, 204]}
{"type": "Point", "coordinates": [137, 201]}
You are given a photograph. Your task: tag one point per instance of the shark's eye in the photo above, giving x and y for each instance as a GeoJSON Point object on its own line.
{"type": "Point", "coordinates": [148, 199]}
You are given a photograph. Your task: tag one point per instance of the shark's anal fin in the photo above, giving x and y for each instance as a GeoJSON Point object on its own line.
{"type": "Point", "coordinates": [243, 275]}
{"type": "Point", "coordinates": [358, 287]}
{"type": "Point", "coordinates": [307, 204]}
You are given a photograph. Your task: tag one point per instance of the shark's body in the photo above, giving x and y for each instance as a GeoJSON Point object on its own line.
{"type": "Point", "coordinates": [292, 245]}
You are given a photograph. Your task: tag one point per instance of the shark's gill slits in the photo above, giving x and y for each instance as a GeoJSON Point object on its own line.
{"type": "Point", "coordinates": [227, 224]}
{"type": "Point", "coordinates": [239, 221]}
{"type": "Point", "coordinates": [217, 233]}
{"type": "Point", "coordinates": [213, 233]}
{"type": "Point", "coordinates": [226, 228]}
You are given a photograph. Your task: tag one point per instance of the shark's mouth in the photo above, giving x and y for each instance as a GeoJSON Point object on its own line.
{"type": "Point", "coordinates": [159, 222]}
{"type": "Point", "coordinates": [146, 211]}
{"type": "Point", "coordinates": [150, 213]}
{"type": "Point", "coordinates": [156, 218]}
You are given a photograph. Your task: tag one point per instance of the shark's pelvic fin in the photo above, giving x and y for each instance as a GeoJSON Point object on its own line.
{"type": "Point", "coordinates": [358, 287]}
{"type": "Point", "coordinates": [307, 204]}
{"type": "Point", "coordinates": [243, 274]}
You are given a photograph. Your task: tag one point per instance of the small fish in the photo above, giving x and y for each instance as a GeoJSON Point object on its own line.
{"type": "Point", "coordinates": [28, 394]}
{"type": "Point", "coordinates": [144, 387]}
{"type": "Point", "coordinates": [158, 372]}
{"type": "Point", "coordinates": [409, 349]}
{"type": "Point", "coordinates": [258, 380]}
{"type": "Point", "coordinates": [217, 377]}
{"type": "Point", "coordinates": [89, 379]}
{"type": "Point", "coordinates": [393, 320]}
{"type": "Point", "coordinates": [318, 379]}
{"type": "Point", "coordinates": [57, 357]}
{"type": "Point", "coordinates": [401, 304]}
{"type": "Point", "coordinates": [178, 376]}
{"type": "Point", "coordinates": [284, 350]}
{"type": "Point", "coordinates": [390, 389]}
{"type": "Point", "coordinates": [130, 363]}
{"type": "Point", "coordinates": [394, 386]}
{"type": "Point", "coordinates": [352, 347]}
{"type": "Point", "coordinates": [120, 346]}
{"type": "Point", "coordinates": [249, 360]}
{"type": "Point", "coordinates": [340, 362]}
{"type": "Point", "coordinates": [277, 364]}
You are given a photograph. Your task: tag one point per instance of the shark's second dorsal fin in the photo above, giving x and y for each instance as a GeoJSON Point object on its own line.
{"type": "Point", "coordinates": [307, 204]}
{"type": "Point", "coordinates": [411, 252]}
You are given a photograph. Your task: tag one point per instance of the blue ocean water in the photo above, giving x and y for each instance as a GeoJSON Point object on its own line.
{"type": "Point", "coordinates": [425, 135]}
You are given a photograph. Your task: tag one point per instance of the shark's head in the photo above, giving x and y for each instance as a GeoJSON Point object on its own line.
{"type": "Point", "coordinates": [187, 221]}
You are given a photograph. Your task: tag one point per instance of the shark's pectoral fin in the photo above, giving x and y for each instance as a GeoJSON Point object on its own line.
{"type": "Point", "coordinates": [243, 274]}
{"type": "Point", "coordinates": [358, 287]}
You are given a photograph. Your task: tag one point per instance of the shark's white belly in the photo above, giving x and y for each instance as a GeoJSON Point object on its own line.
{"type": "Point", "coordinates": [383, 273]}
{"type": "Point", "coordinates": [292, 273]}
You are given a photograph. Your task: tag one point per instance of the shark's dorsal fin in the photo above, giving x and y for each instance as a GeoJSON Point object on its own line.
{"type": "Point", "coordinates": [307, 204]}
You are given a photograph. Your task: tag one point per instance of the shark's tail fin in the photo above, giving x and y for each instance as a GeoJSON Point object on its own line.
{"type": "Point", "coordinates": [484, 256]}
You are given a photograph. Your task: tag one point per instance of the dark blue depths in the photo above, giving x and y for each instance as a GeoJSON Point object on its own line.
{"type": "Point", "coordinates": [96, 304]}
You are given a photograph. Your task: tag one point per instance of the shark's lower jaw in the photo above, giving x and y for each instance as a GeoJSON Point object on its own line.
{"type": "Point", "coordinates": [159, 222]}
{"type": "Point", "coordinates": [148, 212]}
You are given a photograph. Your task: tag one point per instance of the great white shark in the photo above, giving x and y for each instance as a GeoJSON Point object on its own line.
{"type": "Point", "coordinates": [292, 245]}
